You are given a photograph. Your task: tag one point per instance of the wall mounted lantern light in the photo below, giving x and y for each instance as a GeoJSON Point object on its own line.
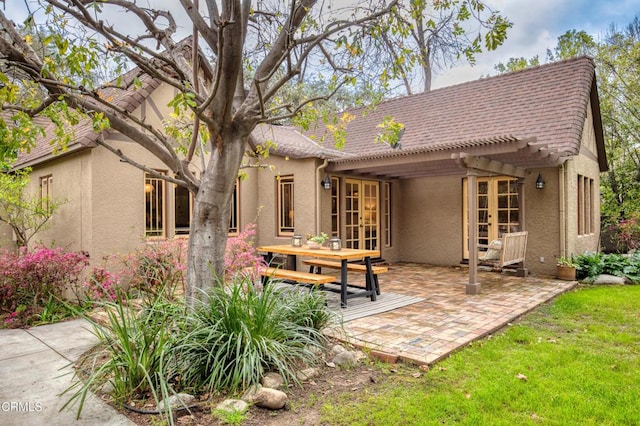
{"type": "Point", "coordinates": [539, 182]}
{"type": "Point", "coordinates": [326, 182]}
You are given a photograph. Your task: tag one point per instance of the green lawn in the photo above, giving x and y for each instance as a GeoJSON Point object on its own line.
{"type": "Point", "coordinates": [575, 361]}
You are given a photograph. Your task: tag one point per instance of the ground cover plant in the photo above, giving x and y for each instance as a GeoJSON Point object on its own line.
{"type": "Point", "coordinates": [574, 361]}
{"type": "Point", "coordinates": [590, 265]}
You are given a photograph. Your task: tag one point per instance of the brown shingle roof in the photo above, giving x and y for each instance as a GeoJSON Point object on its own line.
{"type": "Point", "coordinates": [291, 143]}
{"type": "Point", "coordinates": [548, 103]}
{"type": "Point", "coordinates": [84, 135]}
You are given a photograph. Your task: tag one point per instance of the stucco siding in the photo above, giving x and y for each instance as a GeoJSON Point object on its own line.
{"type": "Point", "coordinates": [7, 240]}
{"type": "Point", "coordinates": [69, 226]}
{"type": "Point", "coordinates": [305, 187]}
{"type": "Point", "coordinates": [542, 221]}
{"type": "Point", "coordinates": [585, 165]}
{"type": "Point", "coordinates": [249, 203]}
{"type": "Point", "coordinates": [431, 221]}
{"type": "Point", "coordinates": [430, 228]}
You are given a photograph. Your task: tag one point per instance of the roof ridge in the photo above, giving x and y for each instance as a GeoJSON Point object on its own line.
{"type": "Point", "coordinates": [478, 81]}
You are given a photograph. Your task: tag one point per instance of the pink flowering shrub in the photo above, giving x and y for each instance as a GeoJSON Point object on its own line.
{"type": "Point", "coordinates": [159, 266]}
{"type": "Point", "coordinates": [241, 256]}
{"type": "Point", "coordinates": [101, 285]}
{"type": "Point", "coordinates": [28, 280]}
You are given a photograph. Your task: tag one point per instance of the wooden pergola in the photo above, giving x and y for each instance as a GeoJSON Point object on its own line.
{"type": "Point", "coordinates": [504, 155]}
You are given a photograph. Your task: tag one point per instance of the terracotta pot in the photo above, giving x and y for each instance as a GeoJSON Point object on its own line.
{"type": "Point", "coordinates": [567, 273]}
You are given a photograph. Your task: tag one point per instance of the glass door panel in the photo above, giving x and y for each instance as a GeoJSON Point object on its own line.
{"type": "Point", "coordinates": [352, 215]}
{"type": "Point", "coordinates": [361, 214]}
{"type": "Point", "coordinates": [497, 212]}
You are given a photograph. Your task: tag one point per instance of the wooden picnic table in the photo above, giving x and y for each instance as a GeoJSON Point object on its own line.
{"type": "Point", "coordinates": [343, 255]}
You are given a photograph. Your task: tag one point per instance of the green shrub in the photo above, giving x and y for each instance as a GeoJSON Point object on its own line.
{"type": "Point", "coordinates": [244, 332]}
{"type": "Point", "coordinates": [590, 265]}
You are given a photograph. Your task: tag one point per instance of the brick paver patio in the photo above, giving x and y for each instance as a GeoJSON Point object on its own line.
{"type": "Point", "coordinates": [448, 318]}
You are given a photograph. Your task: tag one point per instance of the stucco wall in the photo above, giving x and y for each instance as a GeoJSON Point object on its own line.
{"type": "Point", "coordinates": [305, 187]}
{"type": "Point", "coordinates": [69, 225]}
{"type": "Point", "coordinates": [542, 221]}
{"type": "Point", "coordinates": [118, 201]}
{"type": "Point", "coordinates": [431, 216]}
{"type": "Point", "coordinates": [431, 220]}
{"type": "Point", "coordinates": [586, 164]}
{"type": "Point", "coordinates": [6, 237]}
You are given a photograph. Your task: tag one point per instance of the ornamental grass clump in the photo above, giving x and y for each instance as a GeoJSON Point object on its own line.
{"type": "Point", "coordinates": [244, 332]}
{"type": "Point", "coordinates": [135, 351]}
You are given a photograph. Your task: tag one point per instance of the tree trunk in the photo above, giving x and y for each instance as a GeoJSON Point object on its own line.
{"type": "Point", "coordinates": [210, 221]}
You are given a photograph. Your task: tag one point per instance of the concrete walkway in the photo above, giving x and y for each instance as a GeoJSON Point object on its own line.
{"type": "Point", "coordinates": [35, 369]}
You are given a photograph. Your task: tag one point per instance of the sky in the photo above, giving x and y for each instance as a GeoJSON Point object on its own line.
{"type": "Point", "coordinates": [537, 24]}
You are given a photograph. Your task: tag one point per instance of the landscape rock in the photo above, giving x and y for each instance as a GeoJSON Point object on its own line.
{"type": "Point", "coordinates": [336, 349]}
{"type": "Point", "coordinates": [345, 359]}
{"type": "Point", "coordinates": [272, 380]}
{"type": "Point", "coordinates": [316, 350]}
{"type": "Point", "coordinates": [176, 401]}
{"type": "Point", "coordinates": [609, 279]}
{"type": "Point", "coordinates": [233, 405]}
{"type": "Point", "coordinates": [273, 399]}
{"type": "Point", "coordinates": [108, 387]}
{"type": "Point", "coordinates": [307, 374]}
{"type": "Point", "coordinates": [250, 394]}
{"type": "Point", "coordinates": [359, 356]}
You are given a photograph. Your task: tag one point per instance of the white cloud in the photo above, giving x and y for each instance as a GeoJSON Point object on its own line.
{"type": "Point", "coordinates": [536, 28]}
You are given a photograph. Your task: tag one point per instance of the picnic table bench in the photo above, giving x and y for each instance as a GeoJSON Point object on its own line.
{"type": "Point", "coordinates": [341, 257]}
{"type": "Point", "coordinates": [298, 276]}
{"type": "Point", "coordinates": [316, 265]}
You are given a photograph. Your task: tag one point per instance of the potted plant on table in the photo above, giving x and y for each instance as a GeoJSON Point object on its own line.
{"type": "Point", "coordinates": [316, 241]}
{"type": "Point", "coordinates": [566, 268]}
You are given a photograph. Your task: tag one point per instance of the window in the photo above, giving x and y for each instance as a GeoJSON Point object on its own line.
{"type": "Point", "coordinates": [386, 220]}
{"type": "Point", "coordinates": [285, 206]}
{"type": "Point", "coordinates": [46, 183]}
{"type": "Point", "coordinates": [154, 199]}
{"type": "Point", "coordinates": [183, 208]}
{"type": "Point", "coordinates": [335, 206]}
{"type": "Point", "coordinates": [585, 205]}
{"type": "Point", "coordinates": [235, 204]}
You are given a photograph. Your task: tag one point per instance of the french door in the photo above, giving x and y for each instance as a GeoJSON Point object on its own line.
{"type": "Point", "coordinates": [498, 210]}
{"type": "Point", "coordinates": [361, 214]}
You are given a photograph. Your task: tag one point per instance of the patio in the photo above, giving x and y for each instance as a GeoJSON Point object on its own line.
{"type": "Point", "coordinates": [447, 319]}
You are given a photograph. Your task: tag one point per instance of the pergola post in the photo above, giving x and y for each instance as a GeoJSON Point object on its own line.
{"type": "Point", "coordinates": [473, 286]}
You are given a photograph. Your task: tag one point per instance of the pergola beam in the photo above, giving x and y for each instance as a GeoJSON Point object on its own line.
{"type": "Point", "coordinates": [486, 165]}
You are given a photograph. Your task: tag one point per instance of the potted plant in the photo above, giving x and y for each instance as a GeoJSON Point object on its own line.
{"type": "Point", "coordinates": [566, 268]}
{"type": "Point", "coordinates": [316, 241]}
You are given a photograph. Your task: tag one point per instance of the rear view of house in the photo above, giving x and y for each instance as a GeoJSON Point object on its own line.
{"type": "Point", "coordinates": [525, 148]}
